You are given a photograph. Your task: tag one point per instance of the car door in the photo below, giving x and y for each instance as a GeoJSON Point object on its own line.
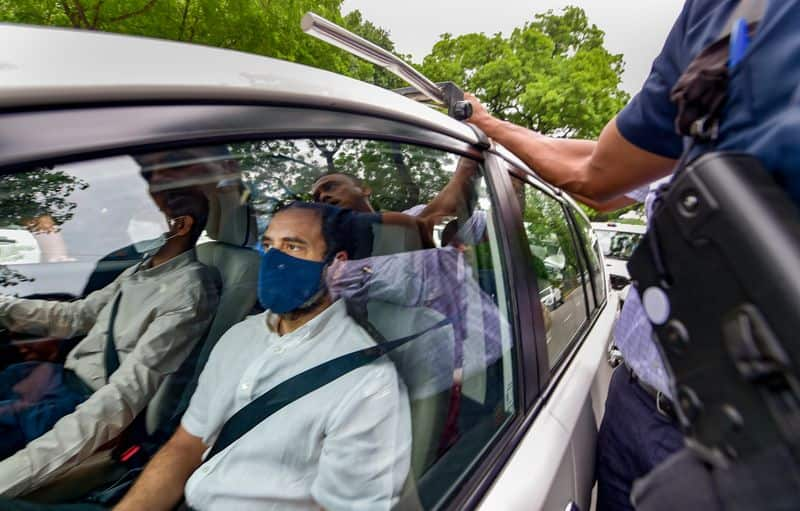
{"type": "Point", "coordinates": [279, 151]}
{"type": "Point", "coordinates": [552, 465]}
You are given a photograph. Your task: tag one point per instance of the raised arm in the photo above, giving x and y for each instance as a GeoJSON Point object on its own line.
{"type": "Point", "coordinates": [599, 171]}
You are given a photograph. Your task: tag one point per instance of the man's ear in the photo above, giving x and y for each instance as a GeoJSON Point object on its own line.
{"type": "Point", "coordinates": [182, 225]}
{"type": "Point", "coordinates": [341, 256]}
{"type": "Point", "coordinates": [366, 191]}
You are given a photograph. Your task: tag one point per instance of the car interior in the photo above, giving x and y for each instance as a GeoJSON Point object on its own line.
{"type": "Point", "coordinates": [454, 416]}
{"type": "Point", "coordinates": [231, 231]}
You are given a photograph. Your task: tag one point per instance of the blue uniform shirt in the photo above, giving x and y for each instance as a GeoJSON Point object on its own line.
{"type": "Point", "coordinates": [762, 112]}
{"type": "Point", "coordinates": [761, 117]}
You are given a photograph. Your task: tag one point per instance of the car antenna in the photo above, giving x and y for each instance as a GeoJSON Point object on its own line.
{"type": "Point", "coordinates": [422, 89]}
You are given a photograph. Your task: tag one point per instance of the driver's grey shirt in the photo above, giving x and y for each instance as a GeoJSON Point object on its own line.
{"type": "Point", "coordinates": [163, 312]}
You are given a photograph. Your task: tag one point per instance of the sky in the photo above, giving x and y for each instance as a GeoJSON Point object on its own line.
{"type": "Point", "coordinates": [635, 28]}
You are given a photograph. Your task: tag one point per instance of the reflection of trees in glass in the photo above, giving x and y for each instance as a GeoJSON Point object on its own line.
{"type": "Point", "coordinates": [401, 176]}
{"type": "Point", "coordinates": [10, 277]}
{"type": "Point", "coordinates": [27, 198]}
{"type": "Point", "coordinates": [546, 226]}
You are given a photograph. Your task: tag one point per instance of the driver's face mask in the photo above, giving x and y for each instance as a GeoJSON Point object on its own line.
{"type": "Point", "coordinates": [149, 234]}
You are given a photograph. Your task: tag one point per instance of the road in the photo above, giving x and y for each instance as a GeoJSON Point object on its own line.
{"type": "Point", "coordinates": [566, 320]}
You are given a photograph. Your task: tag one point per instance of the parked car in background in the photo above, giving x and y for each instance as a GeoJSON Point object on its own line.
{"type": "Point", "coordinates": [617, 241]}
{"type": "Point", "coordinates": [80, 111]}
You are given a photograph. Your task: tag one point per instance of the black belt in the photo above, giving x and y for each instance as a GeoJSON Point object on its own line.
{"type": "Point", "coordinates": [74, 383]}
{"type": "Point", "coordinates": [663, 403]}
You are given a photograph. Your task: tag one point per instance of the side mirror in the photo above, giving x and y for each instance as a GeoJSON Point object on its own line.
{"type": "Point", "coordinates": [619, 282]}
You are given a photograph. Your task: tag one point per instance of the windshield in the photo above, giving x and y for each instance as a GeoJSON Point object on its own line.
{"type": "Point", "coordinates": [618, 244]}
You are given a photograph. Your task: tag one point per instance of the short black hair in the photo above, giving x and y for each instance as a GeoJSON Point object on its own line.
{"type": "Point", "coordinates": [336, 226]}
{"type": "Point", "coordinates": [188, 202]}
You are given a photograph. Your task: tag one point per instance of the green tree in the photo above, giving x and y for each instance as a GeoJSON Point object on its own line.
{"type": "Point", "coordinates": [28, 197]}
{"type": "Point", "coordinates": [400, 175]}
{"type": "Point", "coordinates": [263, 27]}
{"type": "Point", "coordinates": [552, 75]}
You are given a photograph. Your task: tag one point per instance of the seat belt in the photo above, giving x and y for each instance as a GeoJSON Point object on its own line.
{"type": "Point", "coordinates": [110, 354]}
{"type": "Point", "coordinates": [301, 384]}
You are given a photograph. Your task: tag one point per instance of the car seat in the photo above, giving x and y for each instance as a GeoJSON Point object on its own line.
{"type": "Point", "coordinates": [232, 227]}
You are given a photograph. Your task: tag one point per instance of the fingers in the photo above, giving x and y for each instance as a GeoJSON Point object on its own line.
{"type": "Point", "coordinates": [479, 114]}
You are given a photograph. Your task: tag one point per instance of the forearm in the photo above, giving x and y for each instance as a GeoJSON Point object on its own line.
{"type": "Point", "coordinates": [599, 171]}
{"type": "Point", "coordinates": [43, 317]}
{"type": "Point", "coordinates": [559, 161]}
{"type": "Point", "coordinates": [454, 193]}
{"type": "Point", "coordinates": [161, 484]}
{"type": "Point", "coordinates": [606, 206]}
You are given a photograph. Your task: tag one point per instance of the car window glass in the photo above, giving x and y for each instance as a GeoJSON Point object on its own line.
{"type": "Point", "coordinates": [592, 250]}
{"type": "Point", "coordinates": [617, 244]}
{"type": "Point", "coordinates": [421, 260]}
{"type": "Point", "coordinates": [553, 258]}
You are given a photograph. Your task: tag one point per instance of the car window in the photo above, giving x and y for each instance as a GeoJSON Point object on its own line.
{"type": "Point", "coordinates": [417, 257]}
{"type": "Point", "coordinates": [553, 257]}
{"type": "Point", "coordinates": [59, 223]}
{"type": "Point", "coordinates": [617, 244]}
{"type": "Point", "coordinates": [591, 249]}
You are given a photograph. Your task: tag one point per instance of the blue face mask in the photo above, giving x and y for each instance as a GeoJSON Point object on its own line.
{"type": "Point", "coordinates": [285, 283]}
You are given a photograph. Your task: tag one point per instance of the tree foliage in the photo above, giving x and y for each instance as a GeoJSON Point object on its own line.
{"type": "Point", "coordinates": [552, 75]}
{"type": "Point", "coordinates": [264, 27]}
{"type": "Point", "coordinates": [400, 175]}
{"type": "Point", "coordinates": [28, 197]}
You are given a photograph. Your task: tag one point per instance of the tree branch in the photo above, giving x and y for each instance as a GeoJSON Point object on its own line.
{"type": "Point", "coordinates": [76, 22]}
{"type": "Point", "coordinates": [183, 20]}
{"type": "Point", "coordinates": [96, 13]}
{"type": "Point", "coordinates": [149, 5]}
{"type": "Point", "coordinates": [82, 13]}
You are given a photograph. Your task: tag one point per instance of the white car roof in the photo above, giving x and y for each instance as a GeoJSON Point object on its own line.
{"type": "Point", "coordinates": [619, 227]}
{"type": "Point", "coordinates": [46, 66]}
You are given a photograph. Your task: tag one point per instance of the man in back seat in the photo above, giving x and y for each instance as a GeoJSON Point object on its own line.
{"type": "Point", "coordinates": [345, 445]}
{"type": "Point", "coordinates": [151, 316]}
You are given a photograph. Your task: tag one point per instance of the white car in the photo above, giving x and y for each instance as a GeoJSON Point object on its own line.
{"type": "Point", "coordinates": [618, 241]}
{"type": "Point", "coordinates": [80, 113]}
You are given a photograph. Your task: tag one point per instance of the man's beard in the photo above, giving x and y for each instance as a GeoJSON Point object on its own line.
{"type": "Point", "coordinates": [311, 304]}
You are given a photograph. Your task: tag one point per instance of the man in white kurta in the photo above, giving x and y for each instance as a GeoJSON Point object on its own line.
{"type": "Point", "coordinates": [344, 446]}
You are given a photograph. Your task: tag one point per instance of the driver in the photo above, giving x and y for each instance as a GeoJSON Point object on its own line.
{"type": "Point", "coordinates": [54, 416]}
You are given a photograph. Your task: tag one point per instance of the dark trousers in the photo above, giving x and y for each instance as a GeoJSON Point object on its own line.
{"type": "Point", "coordinates": [634, 437]}
{"type": "Point", "coordinates": [33, 396]}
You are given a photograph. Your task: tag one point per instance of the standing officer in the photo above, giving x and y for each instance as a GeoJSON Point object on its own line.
{"type": "Point", "coordinates": [761, 116]}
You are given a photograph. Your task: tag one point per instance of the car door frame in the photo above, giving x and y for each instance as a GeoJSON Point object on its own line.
{"type": "Point", "coordinates": [48, 136]}
{"type": "Point", "coordinates": [550, 379]}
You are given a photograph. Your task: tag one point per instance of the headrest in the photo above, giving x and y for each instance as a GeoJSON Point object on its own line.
{"type": "Point", "coordinates": [230, 218]}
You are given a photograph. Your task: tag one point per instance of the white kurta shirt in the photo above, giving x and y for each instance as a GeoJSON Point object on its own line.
{"type": "Point", "coordinates": [346, 445]}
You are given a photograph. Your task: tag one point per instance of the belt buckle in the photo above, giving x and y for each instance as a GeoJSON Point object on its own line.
{"type": "Point", "coordinates": [661, 410]}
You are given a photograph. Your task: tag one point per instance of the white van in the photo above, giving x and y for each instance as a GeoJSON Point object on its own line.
{"type": "Point", "coordinates": [617, 241]}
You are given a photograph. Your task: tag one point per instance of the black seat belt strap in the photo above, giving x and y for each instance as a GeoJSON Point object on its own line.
{"type": "Point", "coordinates": [111, 356]}
{"type": "Point", "coordinates": [301, 384]}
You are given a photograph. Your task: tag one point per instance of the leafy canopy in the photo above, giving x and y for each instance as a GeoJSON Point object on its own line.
{"type": "Point", "coordinates": [552, 75]}
{"type": "Point", "coordinates": [264, 27]}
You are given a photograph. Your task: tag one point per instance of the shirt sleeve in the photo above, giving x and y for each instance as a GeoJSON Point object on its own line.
{"type": "Point", "coordinates": [648, 121]}
{"type": "Point", "coordinates": [55, 318]}
{"type": "Point", "coordinates": [366, 451]}
{"type": "Point", "coordinates": [640, 194]}
{"type": "Point", "coordinates": [160, 351]}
